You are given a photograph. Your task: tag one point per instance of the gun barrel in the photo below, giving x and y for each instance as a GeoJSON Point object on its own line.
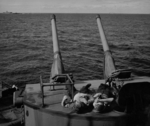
{"type": "Point", "coordinates": [57, 66]}
{"type": "Point", "coordinates": [102, 34]}
{"type": "Point", "coordinates": [109, 65]}
{"type": "Point", "coordinates": [54, 35]}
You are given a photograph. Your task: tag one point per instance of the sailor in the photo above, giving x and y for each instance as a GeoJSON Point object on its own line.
{"type": "Point", "coordinates": [82, 101]}
{"type": "Point", "coordinates": [103, 99]}
{"type": "Point", "coordinates": [85, 95]}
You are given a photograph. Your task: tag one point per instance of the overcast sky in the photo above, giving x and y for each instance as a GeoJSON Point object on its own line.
{"type": "Point", "coordinates": [76, 6]}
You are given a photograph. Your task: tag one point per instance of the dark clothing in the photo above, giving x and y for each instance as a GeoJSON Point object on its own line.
{"type": "Point", "coordinates": [85, 89]}
{"type": "Point", "coordinates": [8, 92]}
{"type": "Point", "coordinates": [105, 90]}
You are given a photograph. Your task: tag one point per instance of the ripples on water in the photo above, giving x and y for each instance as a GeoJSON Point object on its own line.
{"type": "Point", "coordinates": [26, 45]}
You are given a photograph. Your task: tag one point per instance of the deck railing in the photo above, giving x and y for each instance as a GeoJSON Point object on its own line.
{"type": "Point", "coordinates": [57, 82]}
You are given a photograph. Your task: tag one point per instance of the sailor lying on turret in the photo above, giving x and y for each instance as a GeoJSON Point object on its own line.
{"type": "Point", "coordinates": [103, 99]}
{"type": "Point", "coordinates": [82, 100]}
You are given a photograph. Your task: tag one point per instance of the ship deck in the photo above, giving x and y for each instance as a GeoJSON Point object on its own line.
{"type": "Point", "coordinates": [53, 98]}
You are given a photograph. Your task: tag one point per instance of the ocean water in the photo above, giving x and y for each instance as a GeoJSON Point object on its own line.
{"type": "Point", "coordinates": [26, 45]}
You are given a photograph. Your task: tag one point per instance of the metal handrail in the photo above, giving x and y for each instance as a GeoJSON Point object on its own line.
{"type": "Point", "coordinates": [57, 84]}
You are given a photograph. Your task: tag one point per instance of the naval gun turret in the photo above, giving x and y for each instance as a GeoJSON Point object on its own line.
{"type": "Point", "coordinates": [42, 106]}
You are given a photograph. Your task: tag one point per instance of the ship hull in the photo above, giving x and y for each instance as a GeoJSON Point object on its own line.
{"type": "Point", "coordinates": [42, 117]}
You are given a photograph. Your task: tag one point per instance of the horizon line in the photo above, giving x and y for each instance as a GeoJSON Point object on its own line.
{"type": "Point", "coordinates": [9, 12]}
